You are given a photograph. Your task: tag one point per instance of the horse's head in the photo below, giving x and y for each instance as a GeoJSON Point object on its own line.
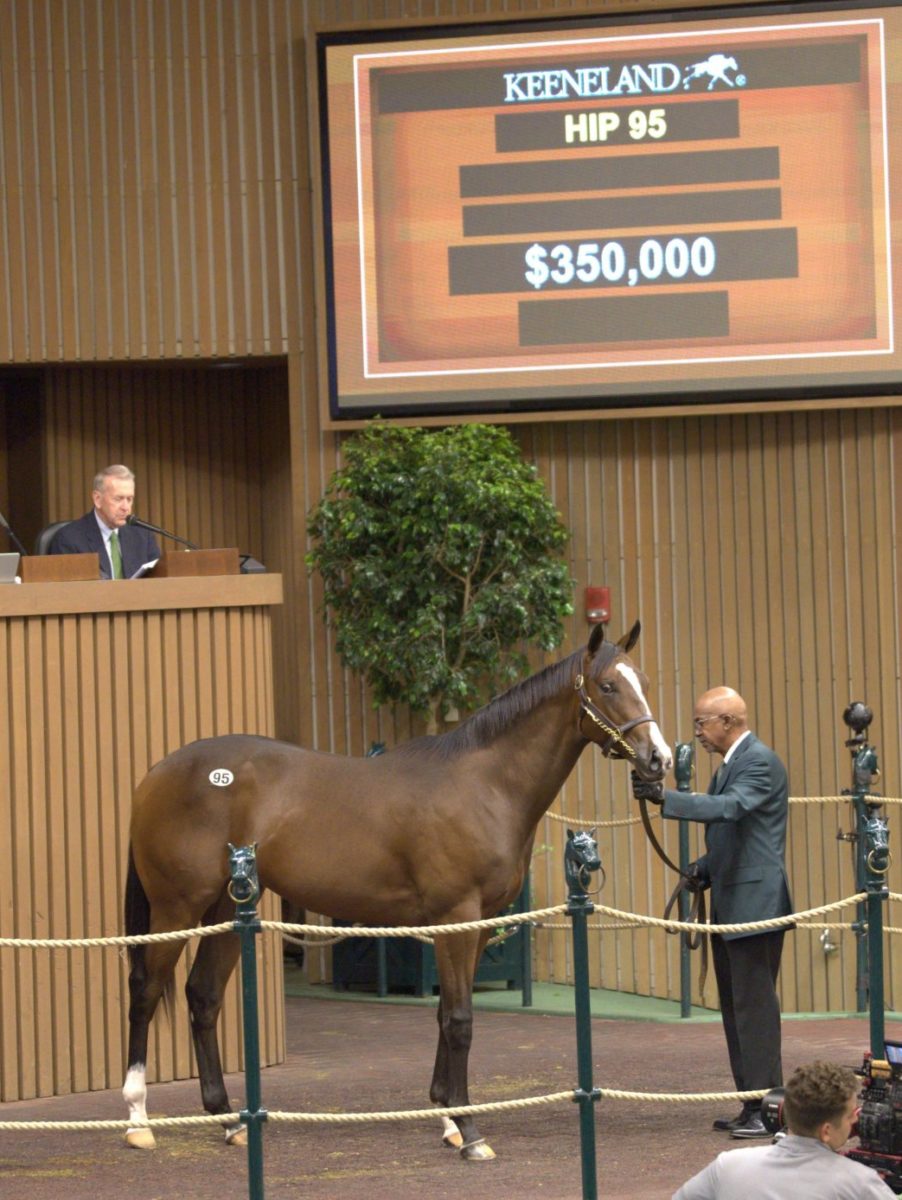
{"type": "Point", "coordinates": [613, 709]}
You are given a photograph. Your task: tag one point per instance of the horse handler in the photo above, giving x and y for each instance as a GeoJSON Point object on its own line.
{"type": "Point", "coordinates": [744, 813]}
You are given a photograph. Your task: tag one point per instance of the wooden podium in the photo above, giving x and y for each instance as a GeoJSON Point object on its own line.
{"type": "Point", "coordinates": [100, 683]}
{"type": "Point", "coordinates": [59, 568]}
{"type": "Point", "coordinates": [177, 564]}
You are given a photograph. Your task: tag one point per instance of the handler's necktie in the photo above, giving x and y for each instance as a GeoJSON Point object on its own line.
{"type": "Point", "coordinates": [116, 555]}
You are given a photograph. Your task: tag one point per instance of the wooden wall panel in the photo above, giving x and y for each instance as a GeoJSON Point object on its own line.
{"type": "Point", "coordinates": [68, 768]}
{"type": "Point", "coordinates": [731, 538]}
{"type": "Point", "coordinates": [149, 179]}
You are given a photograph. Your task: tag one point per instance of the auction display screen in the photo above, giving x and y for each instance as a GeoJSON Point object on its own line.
{"type": "Point", "coordinates": [600, 215]}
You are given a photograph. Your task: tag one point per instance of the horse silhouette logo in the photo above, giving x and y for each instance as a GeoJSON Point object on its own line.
{"type": "Point", "coordinates": [714, 68]}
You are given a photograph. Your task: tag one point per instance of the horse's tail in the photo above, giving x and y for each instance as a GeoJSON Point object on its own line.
{"type": "Point", "coordinates": [137, 922]}
{"type": "Point", "coordinates": [137, 916]}
{"type": "Point", "coordinates": [137, 908]}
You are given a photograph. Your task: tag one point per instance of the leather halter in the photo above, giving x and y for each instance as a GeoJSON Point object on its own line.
{"type": "Point", "coordinates": [615, 744]}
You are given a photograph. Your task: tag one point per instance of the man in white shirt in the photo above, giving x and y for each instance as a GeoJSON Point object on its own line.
{"type": "Point", "coordinates": [820, 1108]}
{"type": "Point", "coordinates": [744, 812]}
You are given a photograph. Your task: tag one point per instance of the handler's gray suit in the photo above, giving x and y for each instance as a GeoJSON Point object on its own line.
{"type": "Point", "coordinates": [745, 813]}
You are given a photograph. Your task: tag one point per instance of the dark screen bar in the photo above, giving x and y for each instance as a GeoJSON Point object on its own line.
{"type": "Point", "coordinates": [623, 212]}
{"type": "Point", "coordinates": [604, 171]}
{"type": "Point", "coordinates": [686, 121]}
{"type": "Point", "coordinates": [741, 254]}
{"type": "Point", "coordinates": [623, 319]}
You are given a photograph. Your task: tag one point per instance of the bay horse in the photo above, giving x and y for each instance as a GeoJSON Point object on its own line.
{"type": "Point", "coordinates": [436, 831]}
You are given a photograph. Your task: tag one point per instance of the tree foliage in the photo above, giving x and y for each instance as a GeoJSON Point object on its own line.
{"type": "Point", "coordinates": [441, 557]}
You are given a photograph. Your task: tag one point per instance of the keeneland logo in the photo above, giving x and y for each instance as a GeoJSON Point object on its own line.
{"type": "Point", "coordinates": [628, 79]}
{"type": "Point", "coordinates": [714, 69]}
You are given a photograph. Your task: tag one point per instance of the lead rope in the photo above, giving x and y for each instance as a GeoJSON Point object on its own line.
{"type": "Point", "coordinates": [698, 910]}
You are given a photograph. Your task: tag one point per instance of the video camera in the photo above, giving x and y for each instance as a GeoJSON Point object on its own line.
{"type": "Point", "coordinates": [879, 1125]}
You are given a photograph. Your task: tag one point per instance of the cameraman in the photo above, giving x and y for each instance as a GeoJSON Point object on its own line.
{"type": "Point", "coordinates": [820, 1107]}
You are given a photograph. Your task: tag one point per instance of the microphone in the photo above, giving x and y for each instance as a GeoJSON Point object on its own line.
{"type": "Point", "coordinates": [15, 541]}
{"type": "Point", "coordinates": [131, 519]}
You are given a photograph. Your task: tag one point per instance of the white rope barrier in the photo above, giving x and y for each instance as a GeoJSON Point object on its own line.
{"type": "Point", "coordinates": [337, 933]}
{"type": "Point", "coordinates": [599, 824]}
{"type": "Point", "coordinates": [585, 824]}
{"type": "Point", "coordinates": [354, 1118]}
{"type": "Point", "coordinates": [137, 939]}
{"type": "Point", "coordinates": [747, 927]}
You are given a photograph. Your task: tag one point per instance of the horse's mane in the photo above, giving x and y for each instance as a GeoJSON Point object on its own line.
{"type": "Point", "coordinates": [488, 722]}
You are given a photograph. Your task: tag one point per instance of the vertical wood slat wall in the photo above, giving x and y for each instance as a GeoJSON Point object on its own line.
{"type": "Point", "coordinates": [149, 160]}
{"type": "Point", "coordinates": [168, 217]}
{"type": "Point", "coordinates": [759, 551]}
{"type": "Point", "coordinates": [75, 742]}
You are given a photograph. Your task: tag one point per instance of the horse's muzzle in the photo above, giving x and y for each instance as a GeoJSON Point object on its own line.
{"type": "Point", "coordinates": [656, 763]}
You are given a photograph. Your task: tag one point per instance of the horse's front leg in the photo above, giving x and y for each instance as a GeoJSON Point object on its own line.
{"type": "Point", "coordinates": [456, 957]}
{"type": "Point", "coordinates": [438, 1091]}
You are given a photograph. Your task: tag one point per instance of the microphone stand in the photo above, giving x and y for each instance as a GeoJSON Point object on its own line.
{"type": "Point", "coordinates": [133, 520]}
{"type": "Point", "coordinates": [15, 541]}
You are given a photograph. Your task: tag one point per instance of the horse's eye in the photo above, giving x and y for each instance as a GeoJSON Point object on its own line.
{"type": "Point", "coordinates": [607, 687]}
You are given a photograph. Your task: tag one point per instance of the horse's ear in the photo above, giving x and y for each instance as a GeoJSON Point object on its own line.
{"type": "Point", "coordinates": [596, 637]}
{"type": "Point", "coordinates": [629, 640]}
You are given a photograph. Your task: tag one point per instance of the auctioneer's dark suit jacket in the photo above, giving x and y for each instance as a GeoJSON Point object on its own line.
{"type": "Point", "coordinates": [83, 536]}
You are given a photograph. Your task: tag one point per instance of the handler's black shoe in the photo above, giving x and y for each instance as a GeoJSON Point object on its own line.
{"type": "Point", "coordinates": [752, 1127]}
{"type": "Point", "coordinates": [725, 1124]}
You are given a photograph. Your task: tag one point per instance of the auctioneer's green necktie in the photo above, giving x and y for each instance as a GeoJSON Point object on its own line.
{"type": "Point", "coordinates": [116, 555]}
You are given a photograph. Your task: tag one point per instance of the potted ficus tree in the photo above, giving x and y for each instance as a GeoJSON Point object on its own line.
{"type": "Point", "coordinates": [440, 553]}
{"type": "Point", "coordinates": [441, 557]}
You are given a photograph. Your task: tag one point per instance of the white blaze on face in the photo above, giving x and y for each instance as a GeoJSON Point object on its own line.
{"type": "Point", "coordinates": [629, 674]}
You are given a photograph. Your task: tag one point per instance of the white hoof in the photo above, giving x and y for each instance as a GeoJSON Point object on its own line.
{"type": "Point", "coordinates": [452, 1136]}
{"type": "Point", "coordinates": [478, 1151]}
{"type": "Point", "coordinates": [140, 1139]}
{"type": "Point", "coordinates": [236, 1135]}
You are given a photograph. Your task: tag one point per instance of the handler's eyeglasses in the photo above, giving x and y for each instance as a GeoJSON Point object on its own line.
{"type": "Point", "coordinates": [698, 722]}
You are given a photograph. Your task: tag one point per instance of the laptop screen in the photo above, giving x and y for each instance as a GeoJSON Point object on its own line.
{"type": "Point", "coordinates": [9, 566]}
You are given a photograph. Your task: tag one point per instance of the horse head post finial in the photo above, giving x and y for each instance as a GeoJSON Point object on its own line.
{"type": "Point", "coordinates": [580, 860]}
{"type": "Point", "coordinates": [244, 886]}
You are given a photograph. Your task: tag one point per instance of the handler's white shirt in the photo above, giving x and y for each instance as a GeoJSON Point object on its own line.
{"type": "Point", "coordinates": [794, 1168]}
{"type": "Point", "coordinates": [732, 750]}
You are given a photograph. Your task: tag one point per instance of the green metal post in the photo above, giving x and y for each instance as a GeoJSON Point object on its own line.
{"type": "Point", "coordinates": [860, 924]}
{"type": "Point", "coordinates": [579, 906]}
{"type": "Point", "coordinates": [525, 936]}
{"type": "Point", "coordinates": [244, 889]}
{"type": "Point", "coordinates": [864, 770]}
{"type": "Point", "coordinates": [876, 864]}
{"type": "Point", "coordinates": [682, 770]}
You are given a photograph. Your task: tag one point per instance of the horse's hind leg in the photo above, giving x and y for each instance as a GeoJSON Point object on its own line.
{"type": "Point", "coordinates": [206, 985]}
{"type": "Point", "coordinates": [149, 979]}
{"type": "Point", "coordinates": [456, 957]}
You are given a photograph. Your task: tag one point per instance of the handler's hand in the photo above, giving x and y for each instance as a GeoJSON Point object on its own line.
{"type": "Point", "coordinates": [695, 879]}
{"type": "Point", "coordinates": [647, 789]}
